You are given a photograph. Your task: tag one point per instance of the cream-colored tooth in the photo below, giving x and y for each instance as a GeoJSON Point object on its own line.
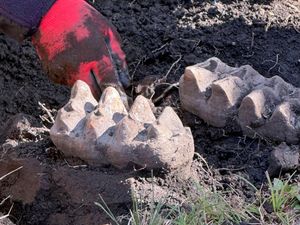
{"type": "Point", "coordinates": [64, 123]}
{"type": "Point", "coordinates": [170, 120]}
{"type": "Point", "coordinates": [81, 103]}
{"type": "Point", "coordinates": [141, 110]}
{"type": "Point", "coordinates": [111, 104]}
{"type": "Point", "coordinates": [81, 98]}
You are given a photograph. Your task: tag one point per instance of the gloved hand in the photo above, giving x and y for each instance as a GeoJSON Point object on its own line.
{"type": "Point", "coordinates": [75, 42]}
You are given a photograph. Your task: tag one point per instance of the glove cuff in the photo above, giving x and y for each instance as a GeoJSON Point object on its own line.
{"type": "Point", "coordinates": [26, 14]}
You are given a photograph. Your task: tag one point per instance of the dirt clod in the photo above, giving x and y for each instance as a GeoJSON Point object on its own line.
{"type": "Point", "coordinates": [24, 184]}
{"type": "Point", "coordinates": [18, 126]}
{"type": "Point", "coordinates": [283, 159]}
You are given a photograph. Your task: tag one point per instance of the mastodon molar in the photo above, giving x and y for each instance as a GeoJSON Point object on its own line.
{"type": "Point", "coordinates": [220, 95]}
{"type": "Point", "coordinates": [105, 132]}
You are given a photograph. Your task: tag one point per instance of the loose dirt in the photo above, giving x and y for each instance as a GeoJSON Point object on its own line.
{"type": "Point", "coordinates": [156, 34]}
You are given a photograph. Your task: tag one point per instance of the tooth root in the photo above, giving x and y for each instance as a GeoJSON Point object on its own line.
{"type": "Point", "coordinates": [141, 110]}
{"type": "Point", "coordinates": [251, 109]}
{"type": "Point", "coordinates": [111, 104]}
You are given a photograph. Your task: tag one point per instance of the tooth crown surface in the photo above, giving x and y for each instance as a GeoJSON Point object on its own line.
{"type": "Point", "coordinates": [105, 133]}
{"type": "Point", "coordinates": [219, 94]}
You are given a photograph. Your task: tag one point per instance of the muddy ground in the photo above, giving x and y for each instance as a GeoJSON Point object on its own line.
{"type": "Point", "coordinates": [155, 33]}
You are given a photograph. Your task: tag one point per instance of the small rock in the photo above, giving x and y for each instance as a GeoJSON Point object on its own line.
{"type": "Point", "coordinates": [283, 159]}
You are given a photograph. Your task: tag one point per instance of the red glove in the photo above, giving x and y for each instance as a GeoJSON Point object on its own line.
{"type": "Point", "coordinates": [75, 42]}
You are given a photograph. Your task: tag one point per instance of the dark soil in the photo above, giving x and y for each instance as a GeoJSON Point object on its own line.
{"type": "Point", "coordinates": [155, 33]}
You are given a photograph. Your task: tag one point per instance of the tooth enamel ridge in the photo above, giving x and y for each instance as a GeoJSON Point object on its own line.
{"type": "Point", "coordinates": [220, 94]}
